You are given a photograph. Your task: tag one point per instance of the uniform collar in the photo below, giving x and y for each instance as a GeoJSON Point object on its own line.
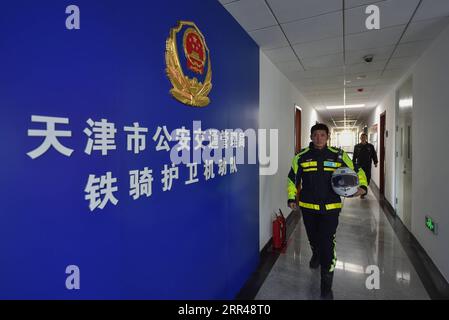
{"type": "Point", "coordinates": [311, 146]}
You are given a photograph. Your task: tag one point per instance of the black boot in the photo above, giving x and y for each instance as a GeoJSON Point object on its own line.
{"type": "Point", "coordinates": [315, 261]}
{"type": "Point", "coordinates": [326, 285]}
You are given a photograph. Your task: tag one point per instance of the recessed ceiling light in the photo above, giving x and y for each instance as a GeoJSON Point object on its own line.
{"type": "Point", "coordinates": [404, 103]}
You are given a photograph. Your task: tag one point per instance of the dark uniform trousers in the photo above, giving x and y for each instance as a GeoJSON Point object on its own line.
{"type": "Point", "coordinates": [321, 229]}
{"type": "Point", "coordinates": [367, 169]}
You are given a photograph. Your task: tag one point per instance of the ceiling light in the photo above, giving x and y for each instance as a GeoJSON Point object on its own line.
{"type": "Point", "coordinates": [404, 103]}
{"type": "Point", "coordinates": [362, 76]}
{"type": "Point", "coordinates": [349, 106]}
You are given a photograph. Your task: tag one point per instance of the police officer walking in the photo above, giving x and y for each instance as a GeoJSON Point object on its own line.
{"type": "Point", "coordinates": [364, 154]}
{"type": "Point", "coordinates": [312, 167]}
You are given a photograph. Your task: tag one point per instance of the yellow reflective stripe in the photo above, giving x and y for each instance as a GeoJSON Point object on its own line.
{"type": "Point", "coordinates": [291, 187]}
{"type": "Point", "coordinates": [363, 181]}
{"type": "Point", "coordinates": [309, 164]}
{"type": "Point", "coordinates": [348, 161]}
{"type": "Point", "coordinates": [333, 149]}
{"type": "Point", "coordinates": [328, 169]}
{"type": "Point", "coordinates": [329, 206]}
{"type": "Point", "coordinates": [309, 205]}
{"type": "Point", "coordinates": [295, 164]}
{"type": "Point", "coordinates": [332, 206]}
{"type": "Point", "coordinates": [303, 151]}
{"type": "Point", "coordinates": [310, 169]}
{"type": "Point", "coordinates": [291, 190]}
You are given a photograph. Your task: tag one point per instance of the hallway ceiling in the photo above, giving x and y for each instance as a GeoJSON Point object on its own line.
{"type": "Point", "coordinates": [317, 45]}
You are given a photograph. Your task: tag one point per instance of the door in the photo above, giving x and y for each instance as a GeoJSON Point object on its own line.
{"type": "Point", "coordinates": [403, 176]}
{"type": "Point", "coordinates": [297, 129]}
{"type": "Point", "coordinates": [382, 153]}
{"type": "Point", "coordinates": [297, 139]}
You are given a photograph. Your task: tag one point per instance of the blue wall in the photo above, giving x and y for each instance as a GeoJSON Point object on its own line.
{"type": "Point", "coordinates": [195, 241]}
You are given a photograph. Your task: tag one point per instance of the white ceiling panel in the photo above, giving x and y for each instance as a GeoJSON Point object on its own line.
{"type": "Point", "coordinates": [281, 54]}
{"type": "Point", "coordinates": [380, 53]}
{"type": "Point", "coordinates": [320, 92]}
{"type": "Point", "coordinates": [290, 10]}
{"type": "Point", "coordinates": [294, 77]}
{"type": "Point", "coordinates": [328, 80]}
{"type": "Point", "coordinates": [425, 29]}
{"type": "Point", "coordinates": [288, 66]}
{"type": "Point", "coordinates": [321, 27]}
{"type": "Point", "coordinates": [319, 48]}
{"type": "Point", "coordinates": [374, 38]}
{"type": "Point", "coordinates": [314, 28]}
{"type": "Point", "coordinates": [401, 63]}
{"type": "Point", "coordinates": [392, 13]}
{"type": "Point", "coordinates": [251, 14]}
{"type": "Point", "coordinates": [332, 60]}
{"type": "Point", "coordinates": [332, 100]}
{"type": "Point", "coordinates": [391, 74]}
{"type": "Point", "coordinates": [354, 95]}
{"type": "Point", "coordinates": [363, 83]}
{"type": "Point", "coordinates": [324, 72]}
{"type": "Point", "coordinates": [314, 87]}
{"type": "Point", "coordinates": [411, 49]}
{"type": "Point", "coordinates": [357, 3]}
{"type": "Point", "coordinates": [269, 38]}
{"type": "Point", "coordinates": [364, 68]}
{"type": "Point", "coordinates": [432, 9]}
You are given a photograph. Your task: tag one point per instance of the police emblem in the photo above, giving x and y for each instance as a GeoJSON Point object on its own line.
{"type": "Point", "coordinates": [190, 77]}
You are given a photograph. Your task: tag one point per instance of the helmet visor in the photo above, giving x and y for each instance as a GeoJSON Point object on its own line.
{"type": "Point", "coordinates": [345, 181]}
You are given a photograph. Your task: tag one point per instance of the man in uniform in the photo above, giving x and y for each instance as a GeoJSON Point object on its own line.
{"type": "Point", "coordinates": [364, 154]}
{"type": "Point", "coordinates": [312, 167]}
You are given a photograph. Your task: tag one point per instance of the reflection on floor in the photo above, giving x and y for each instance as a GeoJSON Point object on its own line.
{"type": "Point", "coordinates": [364, 238]}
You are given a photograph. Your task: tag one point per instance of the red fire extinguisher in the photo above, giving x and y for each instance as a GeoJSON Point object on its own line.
{"type": "Point", "coordinates": [279, 231]}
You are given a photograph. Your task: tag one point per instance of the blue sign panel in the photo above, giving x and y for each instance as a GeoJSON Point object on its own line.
{"type": "Point", "coordinates": [92, 205]}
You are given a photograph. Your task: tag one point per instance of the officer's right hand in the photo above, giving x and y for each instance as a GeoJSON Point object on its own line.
{"type": "Point", "coordinates": [293, 206]}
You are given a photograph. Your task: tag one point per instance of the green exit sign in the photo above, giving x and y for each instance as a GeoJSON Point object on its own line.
{"type": "Point", "coordinates": [431, 224]}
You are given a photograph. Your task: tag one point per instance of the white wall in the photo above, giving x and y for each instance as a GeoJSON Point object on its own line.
{"type": "Point", "coordinates": [276, 111]}
{"type": "Point", "coordinates": [430, 148]}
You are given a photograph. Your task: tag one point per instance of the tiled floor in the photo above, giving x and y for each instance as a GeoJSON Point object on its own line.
{"type": "Point", "coordinates": [364, 238]}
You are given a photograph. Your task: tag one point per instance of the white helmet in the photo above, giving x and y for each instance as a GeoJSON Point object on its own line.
{"type": "Point", "coordinates": [345, 182]}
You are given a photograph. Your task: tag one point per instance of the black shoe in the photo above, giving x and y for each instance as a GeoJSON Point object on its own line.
{"type": "Point", "coordinates": [315, 261]}
{"type": "Point", "coordinates": [326, 285]}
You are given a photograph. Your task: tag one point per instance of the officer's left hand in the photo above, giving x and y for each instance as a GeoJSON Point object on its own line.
{"type": "Point", "coordinates": [359, 192]}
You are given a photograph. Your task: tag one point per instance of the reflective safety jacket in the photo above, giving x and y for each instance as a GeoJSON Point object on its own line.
{"type": "Point", "coordinates": [313, 168]}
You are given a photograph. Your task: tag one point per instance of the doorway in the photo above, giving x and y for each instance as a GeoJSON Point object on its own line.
{"type": "Point", "coordinates": [403, 175]}
{"type": "Point", "coordinates": [382, 153]}
{"type": "Point", "coordinates": [297, 129]}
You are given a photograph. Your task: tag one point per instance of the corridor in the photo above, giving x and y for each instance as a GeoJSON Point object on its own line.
{"type": "Point", "coordinates": [364, 237]}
